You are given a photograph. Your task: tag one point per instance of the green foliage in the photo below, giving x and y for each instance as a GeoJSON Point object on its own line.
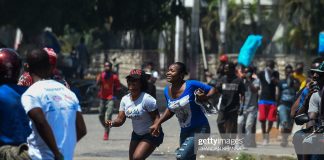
{"type": "Point", "coordinates": [304, 20]}
{"type": "Point", "coordinates": [33, 16]}
{"type": "Point", "coordinates": [245, 156]}
{"type": "Point", "coordinates": [71, 38]}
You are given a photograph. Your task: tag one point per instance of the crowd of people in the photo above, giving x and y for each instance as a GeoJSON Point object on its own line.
{"type": "Point", "coordinates": [40, 116]}
{"type": "Point", "coordinates": [248, 95]}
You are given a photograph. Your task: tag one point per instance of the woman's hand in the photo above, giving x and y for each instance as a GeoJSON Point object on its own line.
{"type": "Point", "coordinates": [155, 130]}
{"type": "Point", "coordinates": [200, 94]}
{"type": "Point", "coordinates": [109, 123]}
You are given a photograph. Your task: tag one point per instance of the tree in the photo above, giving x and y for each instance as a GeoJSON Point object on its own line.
{"type": "Point", "coordinates": [303, 21]}
{"type": "Point", "coordinates": [82, 15]}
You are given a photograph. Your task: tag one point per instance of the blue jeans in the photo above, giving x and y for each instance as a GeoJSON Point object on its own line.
{"type": "Point", "coordinates": [284, 113]}
{"type": "Point", "coordinates": [187, 143]}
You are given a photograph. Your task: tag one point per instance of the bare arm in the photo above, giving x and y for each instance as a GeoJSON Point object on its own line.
{"type": "Point", "coordinates": [80, 126]}
{"type": "Point", "coordinates": [312, 116]}
{"type": "Point", "coordinates": [166, 116]}
{"type": "Point", "coordinates": [119, 121]}
{"type": "Point", "coordinates": [155, 116]}
{"type": "Point", "coordinates": [204, 97]}
{"type": "Point", "coordinates": [294, 107]}
{"type": "Point", "coordinates": [44, 130]}
{"type": "Point", "coordinates": [98, 79]}
{"type": "Point", "coordinates": [157, 122]}
{"type": "Point", "coordinates": [305, 105]}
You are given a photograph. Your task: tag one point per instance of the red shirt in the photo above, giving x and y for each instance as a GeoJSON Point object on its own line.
{"type": "Point", "coordinates": [108, 86]}
{"type": "Point", "coordinates": [25, 80]}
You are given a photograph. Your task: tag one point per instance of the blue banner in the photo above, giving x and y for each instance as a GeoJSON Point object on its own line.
{"type": "Point", "coordinates": [248, 49]}
{"type": "Point", "coordinates": [321, 43]}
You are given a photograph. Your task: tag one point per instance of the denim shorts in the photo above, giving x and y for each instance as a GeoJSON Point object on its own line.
{"type": "Point", "coordinates": [187, 143]}
{"type": "Point", "coordinates": [284, 116]}
{"type": "Point", "coordinates": [156, 141]}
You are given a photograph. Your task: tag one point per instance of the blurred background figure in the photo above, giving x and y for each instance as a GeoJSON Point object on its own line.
{"type": "Point", "coordinates": [288, 88]}
{"type": "Point", "coordinates": [248, 114]}
{"type": "Point", "coordinates": [152, 76]}
{"type": "Point", "coordinates": [299, 74]}
{"type": "Point", "coordinates": [115, 65]}
{"type": "Point", "coordinates": [269, 79]}
{"type": "Point", "coordinates": [223, 59]}
{"type": "Point", "coordinates": [84, 58]}
{"type": "Point", "coordinates": [74, 62]}
{"type": "Point", "coordinates": [109, 86]}
{"type": "Point", "coordinates": [232, 92]}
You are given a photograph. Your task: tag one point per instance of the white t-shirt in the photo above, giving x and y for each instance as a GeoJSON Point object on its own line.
{"type": "Point", "coordinates": [59, 105]}
{"type": "Point", "coordinates": [138, 111]}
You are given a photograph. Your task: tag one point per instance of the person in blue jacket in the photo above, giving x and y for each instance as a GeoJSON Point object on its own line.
{"type": "Point", "coordinates": [14, 123]}
{"type": "Point", "coordinates": [181, 96]}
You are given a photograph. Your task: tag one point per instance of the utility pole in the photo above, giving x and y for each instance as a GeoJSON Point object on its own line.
{"type": "Point", "coordinates": [194, 51]}
{"type": "Point", "coordinates": [223, 20]}
{"type": "Point", "coordinates": [179, 39]}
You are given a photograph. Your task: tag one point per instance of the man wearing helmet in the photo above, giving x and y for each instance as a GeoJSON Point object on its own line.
{"type": "Point", "coordinates": [14, 123]}
{"type": "Point", "coordinates": [223, 59]}
{"type": "Point", "coordinates": [26, 80]}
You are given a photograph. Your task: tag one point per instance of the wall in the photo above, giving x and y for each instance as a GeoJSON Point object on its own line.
{"type": "Point", "coordinates": [128, 59]}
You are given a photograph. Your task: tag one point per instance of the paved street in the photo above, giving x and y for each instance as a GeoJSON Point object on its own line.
{"type": "Point", "coordinates": [92, 147]}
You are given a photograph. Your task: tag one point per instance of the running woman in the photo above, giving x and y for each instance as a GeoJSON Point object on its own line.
{"type": "Point", "coordinates": [142, 109]}
{"type": "Point", "coordinates": [180, 96]}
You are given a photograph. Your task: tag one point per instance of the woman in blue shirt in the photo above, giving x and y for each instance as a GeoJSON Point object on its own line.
{"type": "Point", "coordinates": [180, 96]}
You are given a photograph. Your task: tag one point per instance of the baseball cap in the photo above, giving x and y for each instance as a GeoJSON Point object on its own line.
{"type": "Point", "coordinates": [136, 73]}
{"type": "Point", "coordinates": [107, 64]}
{"type": "Point", "coordinates": [319, 69]}
{"type": "Point", "coordinates": [51, 55]}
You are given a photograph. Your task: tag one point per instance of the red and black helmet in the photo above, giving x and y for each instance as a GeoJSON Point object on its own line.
{"type": "Point", "coordinates": [10, 65]}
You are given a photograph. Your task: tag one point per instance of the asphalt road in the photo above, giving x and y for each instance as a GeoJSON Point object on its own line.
{"type": "Point", "coordinates": [92, 147]}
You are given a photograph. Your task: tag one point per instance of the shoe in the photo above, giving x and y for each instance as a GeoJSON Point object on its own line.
{"type": "Point", "coordinates": [284, 144]}
{"type": "Point", "coordinates": [265, 139]}
{"type": "Point", "coordinates": [106, 136]}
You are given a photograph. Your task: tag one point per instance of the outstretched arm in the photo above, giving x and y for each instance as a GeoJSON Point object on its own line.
{"type": "Point", "coordinates": [155, 116]}
{"type": "Point", "coordinates": [119, 121]}
{"type": "Point", "coordinates": [157, 123]}
{"type": "Point", "coordinates": [201, 96]}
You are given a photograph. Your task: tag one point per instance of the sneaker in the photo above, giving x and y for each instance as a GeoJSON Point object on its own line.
{"type": "Point", "coordinates": [106, 136]}
{"type": "Point", "coordinates": [265, 139]}
{"type": "Point", "coordinates": [284, 144]}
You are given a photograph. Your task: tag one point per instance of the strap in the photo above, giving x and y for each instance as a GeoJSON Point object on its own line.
{"type": "Point", "coordinates": [321, 109]}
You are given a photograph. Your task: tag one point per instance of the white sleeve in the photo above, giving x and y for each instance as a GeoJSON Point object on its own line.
{"type": "Point", "coordinates": [30, 101]}
{"type": "Point", "coordinates": [314, 103]}
{"type": "Point", "coordinates": [122, 105]}
{"type": "Point", "coordinates": [155, 74]}
{"type": "Point", "coordinates": [150, 104]}
{"type": "Point", "coordinates": [256, 83]}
